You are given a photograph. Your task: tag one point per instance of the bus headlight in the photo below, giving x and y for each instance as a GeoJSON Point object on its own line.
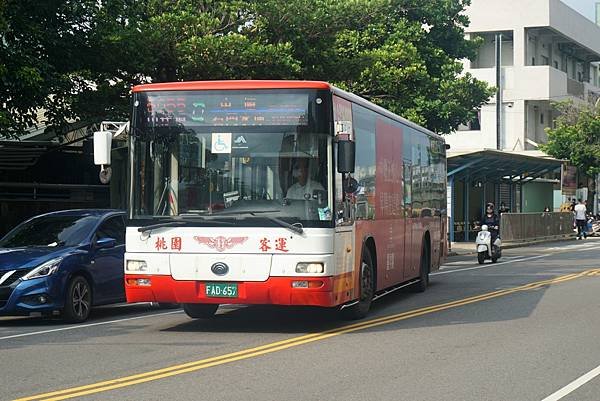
{"type": "Point", "coordinates": [138, 266]}
{"type": "Point", "coordinates": [310, 268]}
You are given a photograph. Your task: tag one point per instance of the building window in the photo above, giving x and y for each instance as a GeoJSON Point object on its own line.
{"type": "Point", "coordinates": [556, 64]}
{"type": "Point", "coordinates": [542, 118]}
{"type": "Point", "coordinates": [545, 60]}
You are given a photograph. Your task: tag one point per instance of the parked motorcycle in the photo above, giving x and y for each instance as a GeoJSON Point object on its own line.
{"type": "Point", "coordinates": [485, 248]}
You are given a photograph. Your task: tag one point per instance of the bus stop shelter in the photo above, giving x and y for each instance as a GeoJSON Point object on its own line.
{"type": "Point", "coordinates": [475, 178]}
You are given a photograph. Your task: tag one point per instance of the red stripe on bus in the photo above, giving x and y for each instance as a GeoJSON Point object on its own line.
{"type": "Point", "coordinates": [275, 290]}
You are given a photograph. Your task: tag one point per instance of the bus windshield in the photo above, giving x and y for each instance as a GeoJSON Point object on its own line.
{"type": "Point", "coordinates": [238, 154]}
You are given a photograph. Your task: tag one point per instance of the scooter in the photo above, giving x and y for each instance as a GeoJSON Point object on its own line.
{"type": "Point", "coordinates": [486, 250]}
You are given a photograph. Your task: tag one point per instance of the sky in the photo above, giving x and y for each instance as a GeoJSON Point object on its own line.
{"type": "Point", "coordinates": [585, 7]}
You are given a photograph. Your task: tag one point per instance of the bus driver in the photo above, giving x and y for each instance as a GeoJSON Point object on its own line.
{"type": "Point", "coordinates": [304, 188]}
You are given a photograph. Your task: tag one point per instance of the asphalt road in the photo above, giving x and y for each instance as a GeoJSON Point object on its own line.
{"type": "Point", "coordinates": [523, 329]}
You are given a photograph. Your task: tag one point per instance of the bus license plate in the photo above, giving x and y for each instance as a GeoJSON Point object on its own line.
{"type": "Point", "coordinates": [221, 290]}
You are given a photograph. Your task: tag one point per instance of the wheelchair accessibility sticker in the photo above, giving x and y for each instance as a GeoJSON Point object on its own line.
{"type": "Point", "coordinates": [221, 142]}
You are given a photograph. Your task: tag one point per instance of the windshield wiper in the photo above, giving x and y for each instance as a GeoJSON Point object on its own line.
{"type": "Point", "coordinates": [252, 212]}
{"type": "Point", "coordinates": [181, 221]}
{"type": "Point", "coordinates": [205, 218]}
{"type": "Point", "coordinates": [159, 225]}
{"type": "Point", "coordinates": [296, 227]}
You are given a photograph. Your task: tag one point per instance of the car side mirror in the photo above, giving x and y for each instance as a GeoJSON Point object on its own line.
{"type": "Point", "coordinates": [104, 243]}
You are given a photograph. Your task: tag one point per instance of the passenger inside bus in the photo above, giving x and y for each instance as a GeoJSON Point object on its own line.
{"type": "Point", "coordinates": [305, 187]}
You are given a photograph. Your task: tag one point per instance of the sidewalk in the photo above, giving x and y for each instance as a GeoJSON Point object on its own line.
{"type": "Point", "coordinates": [468, 248]}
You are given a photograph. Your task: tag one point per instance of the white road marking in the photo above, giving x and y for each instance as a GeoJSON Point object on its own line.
{"type": "Point", "coordinates": [487, 265]}
{"type": "Point", "coordinates": [460, 263]}
{"type": "Point", "coordinates": [470, 262]}
{"type": "Point", "coordinates": [81, 326]}
{"type": "Point", "coordinates": [574, 385]}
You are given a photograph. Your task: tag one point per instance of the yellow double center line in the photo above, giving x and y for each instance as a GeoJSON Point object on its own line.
{"type": "Point", "coordinates": [285, 344]}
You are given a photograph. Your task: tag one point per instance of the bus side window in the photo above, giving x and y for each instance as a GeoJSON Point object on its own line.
{"type": "Point", "coordinates": [364, 130]}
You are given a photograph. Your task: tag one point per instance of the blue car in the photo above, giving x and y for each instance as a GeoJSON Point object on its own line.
{"type": "Point", "coordinates": [65, 261]}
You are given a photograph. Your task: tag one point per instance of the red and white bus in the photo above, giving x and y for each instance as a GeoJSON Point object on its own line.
{"type": "Point", "coordinates": [278, 192]}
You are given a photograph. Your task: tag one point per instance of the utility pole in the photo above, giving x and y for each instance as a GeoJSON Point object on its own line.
{"type": "Point", "coordinates": [498, 89]}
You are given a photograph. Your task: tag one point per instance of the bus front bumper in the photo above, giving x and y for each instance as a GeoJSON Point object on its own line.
{"type": "Point", "coordinates": [307, 291]}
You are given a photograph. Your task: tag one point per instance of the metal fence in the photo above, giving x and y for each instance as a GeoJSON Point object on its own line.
{"type": "Point", "coordinates": [528, 226]}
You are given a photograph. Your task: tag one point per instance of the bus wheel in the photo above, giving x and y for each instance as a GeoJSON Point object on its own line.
{"type": "Point", "coordinates": [421, 286]}
{"type": "Point", "coordinates": [367, 289]}
{"type": "Point", "coordinates": [200, 311]}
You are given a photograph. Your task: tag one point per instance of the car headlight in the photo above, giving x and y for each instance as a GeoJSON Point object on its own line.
{"type": "Point", "coordinates": [43, 270]}
{"type": "Point", "coordinates": [310, 268]}
{"type": "Point", "coordinates": [136, 266]}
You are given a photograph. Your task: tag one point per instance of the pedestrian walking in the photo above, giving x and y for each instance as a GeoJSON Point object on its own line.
{"type": "Point", "coordinates": [581, 219]}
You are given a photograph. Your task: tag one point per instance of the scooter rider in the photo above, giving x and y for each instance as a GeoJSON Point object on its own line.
{"type": "Point", "coordinates": [492, 220]}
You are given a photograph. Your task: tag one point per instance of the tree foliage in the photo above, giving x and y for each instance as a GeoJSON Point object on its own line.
{"type": "Point", "coordinates": [576, 137]}
{"type": "Point", "coordinates": [77, 59]}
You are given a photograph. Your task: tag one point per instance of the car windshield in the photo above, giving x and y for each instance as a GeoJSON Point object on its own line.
{"type": "Point", "coordinates": [243, 155]}
{"type": "Point", "coordinates": [50, 231]}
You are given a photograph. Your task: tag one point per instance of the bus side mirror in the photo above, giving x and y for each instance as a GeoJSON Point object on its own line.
{"type": "Point", "coordinates": [346, 156]}
{"type": "Point", "coordinates": [102, 147]}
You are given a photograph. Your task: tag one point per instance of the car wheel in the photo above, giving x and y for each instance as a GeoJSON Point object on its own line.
{"type": "Point", "coordinates": [367, 289]}
{"type": "Point", "coordinates": [200, 311]}
{"type": "Point", "coordinates": [78, 301]}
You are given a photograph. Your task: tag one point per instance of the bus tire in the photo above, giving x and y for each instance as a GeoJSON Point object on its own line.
{"type": "Point", "coordinates": [200, 311]}
{"type": "Point", "coordinates": [424, 270]}
{"type": "Point", "coordinates": [367, 289]}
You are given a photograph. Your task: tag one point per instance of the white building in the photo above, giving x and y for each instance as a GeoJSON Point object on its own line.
{"type": "Point", "coordinates": [549, 52]}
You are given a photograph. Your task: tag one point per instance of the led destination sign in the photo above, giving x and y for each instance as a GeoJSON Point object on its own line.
{"type": "Point", "coordinates": [249, 109]}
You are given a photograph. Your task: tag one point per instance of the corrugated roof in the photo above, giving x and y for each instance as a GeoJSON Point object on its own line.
{"type": "Point", "coordinates": [497, 166]}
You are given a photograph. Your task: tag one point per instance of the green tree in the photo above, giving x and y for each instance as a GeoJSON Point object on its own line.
{"type": "Point", "coordinates": [401, 54]}
{"type": "Point", "coordinates": [37, 42]}
{"type": "Point", "coordinates": [78, 59]}
{"type": "Point", "coordinates": [576, 137]}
